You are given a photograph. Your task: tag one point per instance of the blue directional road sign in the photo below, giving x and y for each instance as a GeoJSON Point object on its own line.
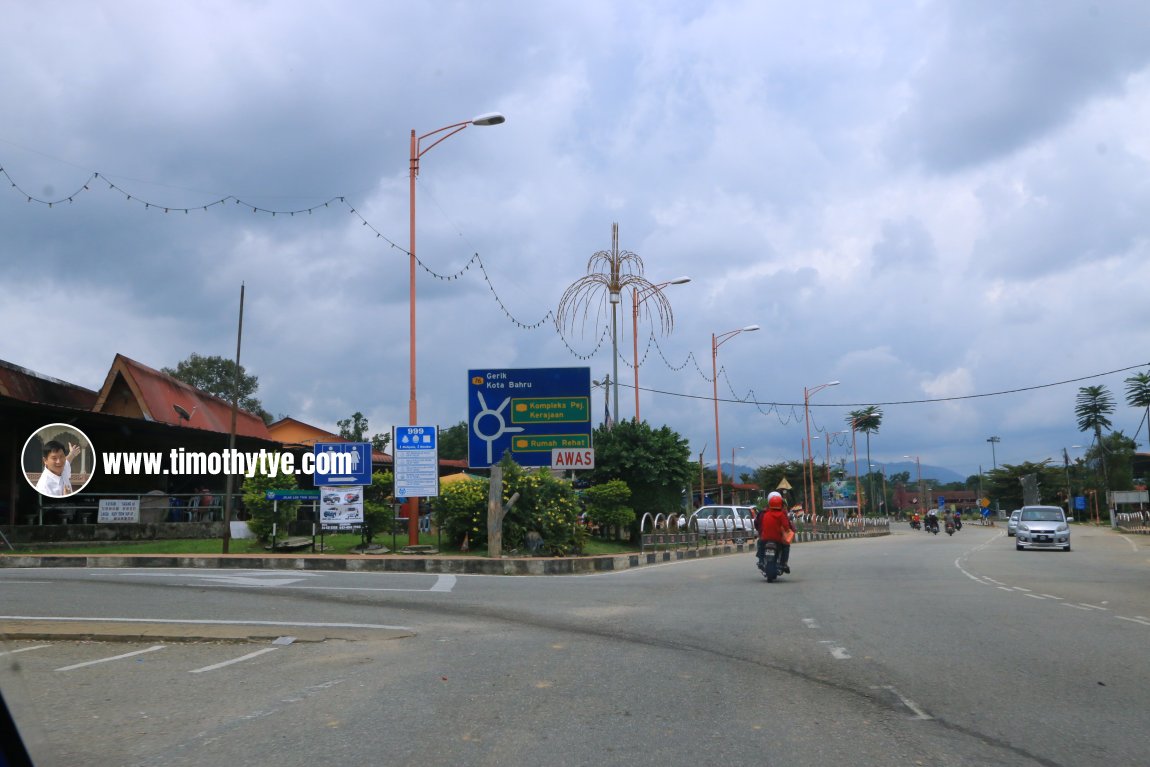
{"type": "Point", "coordinates": [358, 461]}
{"type": "Point", "coordinates": [527, 411]}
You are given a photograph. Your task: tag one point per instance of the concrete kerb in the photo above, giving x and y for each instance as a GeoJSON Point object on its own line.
{"type": "Point", "coordinates": [446, 565]}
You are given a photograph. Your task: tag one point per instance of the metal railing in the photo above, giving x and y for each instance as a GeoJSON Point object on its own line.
{"type": "Point", "coordinates": [84, 508]}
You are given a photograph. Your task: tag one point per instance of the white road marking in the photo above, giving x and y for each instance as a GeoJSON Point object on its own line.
{"type": "Point", "coordinates": [1051, 596]}
{"type": "Point", "coordinates": [1092, 607]}
{"type": "Point", "coordinates": [443, 583]}
{"type": "Point", "coordinates": [1033, 596]}
{"type": "Point", "coordinates": [919, 713]}
{"type": "Point", "coordinates": [1144, 622]}
{"type": "Point", "coordinates": [267, 581]}
{"type": "Point", "coordinates": [153, 648]}
{"type": "Point", "coordinates": [233, 660]}
{"type": "Point", "coordinates": [25, 649]}
{"type": "Point", "coordinates": [205, 622]}
{"type": "Point", "coordinates": [1076, 607]}
{"type": "Point", "coordinates": [810, 623]}
{"type": "Point", "coordinates": [1006, 588]}
{"type": "Point", "coordinates": [1019, 588]}
{"type": "Point", "coordinates": [839, 653]}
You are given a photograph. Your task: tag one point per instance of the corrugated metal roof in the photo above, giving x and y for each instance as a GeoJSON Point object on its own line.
{"type": "Point", "coordinates": [26, 385]}
{"type": "Point", "coordinates": [158, 394]}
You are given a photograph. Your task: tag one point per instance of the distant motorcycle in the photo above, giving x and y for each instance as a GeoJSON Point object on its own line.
{"type": "Point", "coordinates": [949, 527]}
{"type": "Point", "coordinates": [915, 524]}
{"type": "Point", "coordinates": [932, 525]}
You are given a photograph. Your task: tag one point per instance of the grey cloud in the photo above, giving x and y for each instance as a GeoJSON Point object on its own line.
{"type": "Point", "coordinates": [1008, 73]}
{"type": "Point", "coordinates": [903, 243]}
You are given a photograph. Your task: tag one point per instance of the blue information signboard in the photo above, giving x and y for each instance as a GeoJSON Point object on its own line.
{"type": "Point", "coordinates": [357, 463]}
{"type": "Point", "coordinates": [416, 464]}
{"type": "Point", "coordinates": [527, 411]}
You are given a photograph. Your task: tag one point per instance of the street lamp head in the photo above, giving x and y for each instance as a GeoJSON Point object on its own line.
{"type": "Point", "coordinates": [490, 118]}
{"type": "Point", "coordinates": [749, 328]}
{"type": "Point", "coordinates": [680, 281]}
{"type": "Point", "coordinates": [831, 383]}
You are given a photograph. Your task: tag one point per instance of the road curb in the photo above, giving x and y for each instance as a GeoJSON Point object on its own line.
{"type": "Point", "coordinates": [399, 563]}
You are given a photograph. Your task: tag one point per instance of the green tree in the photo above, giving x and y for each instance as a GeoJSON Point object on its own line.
{"type": "Point", "coordinates": [217, 375]}
{"type": "Point", "coordinates": [606, 505]}
{"type": "Point", "coordinates": [867, 420]}
{"type": "Point", "coordinates": [769, 477]}
{"type": "Point", "coordinates": [1138, 395]}
{"type": "Point", "coordinates": [1093, 408]}
{"type": "Point", "coordinates": [355, 428]}
{"type": "Point", "coordinates": [453, 442]}
{"type": "Point", "coordinates": [1118, 451]}
{"type": "Point", "coordinates": [1005, 482]}
{"type": "Point", "coordinates": [655, 463]}
{"type": "Point", "coordinates": [378, 513]}
{"type": "Point", "coordinates": [262, 513]}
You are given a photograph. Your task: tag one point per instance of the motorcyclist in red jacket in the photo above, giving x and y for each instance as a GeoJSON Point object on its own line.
{"type": "Point", "coordinates": [772, 524]}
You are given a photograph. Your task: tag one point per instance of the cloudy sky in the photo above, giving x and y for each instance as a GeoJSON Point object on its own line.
{"type": "Point", "coordinates": [925, 201]}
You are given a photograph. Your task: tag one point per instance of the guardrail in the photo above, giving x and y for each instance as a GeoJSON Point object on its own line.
{"type": "Point", "coordinates": [660, 533]}
{"type": "Point", "coordinates": [1133, 521]}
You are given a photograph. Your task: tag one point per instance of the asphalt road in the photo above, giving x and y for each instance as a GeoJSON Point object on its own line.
{"type": "Point", "coordinates": [908, 649]}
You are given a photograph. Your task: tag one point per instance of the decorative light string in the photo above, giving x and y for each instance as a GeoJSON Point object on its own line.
{"type": "Point", "coordinates": [476, 260]}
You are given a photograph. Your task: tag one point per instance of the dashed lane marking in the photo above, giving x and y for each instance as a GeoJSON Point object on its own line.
{"type": "Point", "coordinates": [25, 649]}
{"type": "Point", "coordinates": [918, 712]}
{"type": "Point", "coordinates": [114, 657]}
{"type": "Point", "coordinates": [240, 659]}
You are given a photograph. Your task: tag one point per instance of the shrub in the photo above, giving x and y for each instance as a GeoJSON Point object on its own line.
{"type": "Point", "coordinates": [260, 509]}
{"type": "Point", "coordinates": [607, 504]}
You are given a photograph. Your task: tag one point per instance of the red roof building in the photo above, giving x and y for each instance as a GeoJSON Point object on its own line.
{"type": "Point", "coordinates": [135, 390]}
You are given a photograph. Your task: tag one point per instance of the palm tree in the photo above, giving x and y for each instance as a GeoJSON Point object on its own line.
{"type": "Point", "coordinates": [1138, 395]}
{"type": "Point", "coordinates": [1092, 409]}
{"type": "Point", "coordinates": [867, 420]}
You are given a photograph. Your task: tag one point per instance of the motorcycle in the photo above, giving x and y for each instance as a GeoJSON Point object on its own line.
{"type": "Point", "coordinates": [769, 561]}
{"type": "Point", "coordinates": [932, 525]}
{"type": "Point", "coordinates": [957, 524]}
{"type": "Point", "coordinates": [915, 524]}
{"type": "Point", "coordinates": [949, 527]}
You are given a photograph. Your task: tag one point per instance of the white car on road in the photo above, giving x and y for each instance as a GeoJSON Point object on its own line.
{"type": "Point", "coordinates": [1042, 527]}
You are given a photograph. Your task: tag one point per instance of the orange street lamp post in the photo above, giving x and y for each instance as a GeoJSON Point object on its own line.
{"type": "Point", "coordinates": [716, 342]}
{"type": "Point", "coordinates": [417, 152]}
{"type": "Point", "coordinates": [637, 298]}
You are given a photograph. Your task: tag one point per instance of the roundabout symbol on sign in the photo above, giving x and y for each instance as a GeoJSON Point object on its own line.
{"type": "Point", "coordinates": [497, 414]}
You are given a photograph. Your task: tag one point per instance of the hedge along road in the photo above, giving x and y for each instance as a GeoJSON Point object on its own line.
{"type": "Point", "coordinates": [873, 652]}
